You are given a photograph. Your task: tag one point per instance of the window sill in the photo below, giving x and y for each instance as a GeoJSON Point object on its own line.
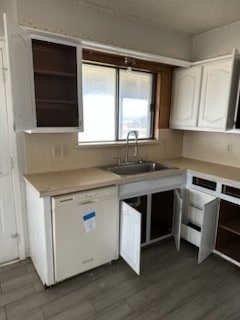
{"type": "Point", "coordinates": [82, 145]}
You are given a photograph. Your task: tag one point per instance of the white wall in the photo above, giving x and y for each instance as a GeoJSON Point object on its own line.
{"type": "Point", "coordinates": [9, 7]}
{"type": "Point", "coordinates": [216, 42]}
{"type": "Point", "coordinates": [82, 20]}
{"type": "Point", "coordinates": [205, 145]}
{"type": "Point", "coordinates": [212, 147]}
{"type": "Point", "coordinates": [39, 151]}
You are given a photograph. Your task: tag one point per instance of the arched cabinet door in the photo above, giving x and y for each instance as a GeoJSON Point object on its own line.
{"type": "Point", "coordinates": [20, 65]}
{"type": "Point", "coordinates": [185, 95]}
{"type": "Point", "coordinates": [215, 95]}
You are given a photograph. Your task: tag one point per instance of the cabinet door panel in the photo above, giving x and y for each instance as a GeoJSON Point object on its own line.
{"type": "Point", "coordinates": [186, 91]}
{"type": "Point", "coordinates": [140, 205]}
{"type": "Point", "coordinates": [19, 55]}
{"type": "Point", "coordinates": [208, 231]}
{"type": "Point", "coordinates": [130, 236]}
{"type": "Point", "coordinates": [215, 94]}
{"type": "Point", "coordinates": [177, 217]}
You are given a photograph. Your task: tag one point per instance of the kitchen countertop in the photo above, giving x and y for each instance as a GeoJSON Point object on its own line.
{"type": "Point", "coordinates": [218, 171]}
{"type": "Point", "coordinates": [56, 183]}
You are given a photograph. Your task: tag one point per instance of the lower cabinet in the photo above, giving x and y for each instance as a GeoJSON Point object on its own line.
{"type": "Point", "coordinates": [228, 232]}
{"type": "Point", "coordinates": [199, 221]}
{"type": "Point", "coordinates": [146, 219]}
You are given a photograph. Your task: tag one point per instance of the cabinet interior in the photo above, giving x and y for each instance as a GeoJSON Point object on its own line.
{"type": "Point", "coordinates": [228, 234]}
{"type": "Point", "coordinates": [55, 78]}
{"type": "Point", "coordinates": [158, 208]}
{"type": "Point", "coordinates": [161, 214]}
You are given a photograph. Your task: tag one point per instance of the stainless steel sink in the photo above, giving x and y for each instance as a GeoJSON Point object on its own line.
{"type": "Point", "coordinates": [135, 168]}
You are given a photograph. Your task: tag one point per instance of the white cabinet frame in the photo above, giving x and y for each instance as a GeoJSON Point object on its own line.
{"type": "Point", "coordinates": [20, 64]}
{"type": "Point", "coordinates": [201, 210]}
{"type": "Point", "coordinates": [205, 96]}
{"type": "Point", "coordinates": [130, 218]}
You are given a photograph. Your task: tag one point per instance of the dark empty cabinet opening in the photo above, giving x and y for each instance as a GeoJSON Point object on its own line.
{"type": "Point", "coordinates": [231, 191]}
{"type": "Point", "coordinates": [55, 78]}
{"type": "Point", "coordinates": [204, 183]}
{"type": "Point", "coordinates": [140, 204]}
{"type": "Point", "coordinates": [161, 214]}
{"type": "Point", "coordinates": [228, 234]}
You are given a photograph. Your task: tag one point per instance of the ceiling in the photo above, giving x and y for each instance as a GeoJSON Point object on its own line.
{"type": "Point", "coordinates": [188, 16]}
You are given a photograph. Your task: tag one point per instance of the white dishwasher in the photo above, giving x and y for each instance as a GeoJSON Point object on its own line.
{"type": "Point", "coordinates": [85, 230]}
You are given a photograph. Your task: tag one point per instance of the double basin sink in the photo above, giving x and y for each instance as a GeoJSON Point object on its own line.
{"type": "Point", "coordinates": [136, 168]}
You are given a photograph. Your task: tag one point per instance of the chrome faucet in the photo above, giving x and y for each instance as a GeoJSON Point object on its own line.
{"type": "Point", "coordinates": [135, 133]}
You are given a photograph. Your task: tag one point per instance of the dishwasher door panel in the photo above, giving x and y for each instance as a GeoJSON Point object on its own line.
{"type": "Point", "coordinates": [75, 249]}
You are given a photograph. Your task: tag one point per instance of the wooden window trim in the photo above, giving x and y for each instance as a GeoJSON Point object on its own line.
{"type": "Point", "coordinates": [163, 72]}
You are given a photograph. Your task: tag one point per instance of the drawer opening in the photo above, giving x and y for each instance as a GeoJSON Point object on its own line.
{"type": "Point", "coordinates": [204, 183]}
{"type": "Point", "coordinates": [231, 191]}
{"type": "Point", "coordinates": [193, 226]}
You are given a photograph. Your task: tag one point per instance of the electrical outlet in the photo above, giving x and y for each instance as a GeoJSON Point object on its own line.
{"type": "Point", "coordinates": [229, 148]}
{"type": "Point", "coordinates": [57, 151]}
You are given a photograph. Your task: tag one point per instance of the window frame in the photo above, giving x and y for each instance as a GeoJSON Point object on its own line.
{"type": "Point", "coordinates": [117, 104]}
{"type": "Point", "coordinates": [164, 76]}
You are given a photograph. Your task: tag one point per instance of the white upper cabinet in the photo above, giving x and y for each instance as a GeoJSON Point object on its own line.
{"type": "Point", "coordinates": [19, 57]}
{"type": "Point", "coordinates": [204, 96]}
{"type": "Point", "coordinates": [186, 91]}
{"type": "Point", "coordinates": [214, 102]}
{"type": "Point", "coordinates": [45, 76]}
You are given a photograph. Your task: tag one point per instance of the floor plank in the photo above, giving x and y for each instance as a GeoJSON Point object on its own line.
{"type": "Point", "coordinates": [172, 286]}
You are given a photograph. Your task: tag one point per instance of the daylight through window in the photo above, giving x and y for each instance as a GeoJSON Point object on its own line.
{"type": "Point", "coordinates": [115, 101]}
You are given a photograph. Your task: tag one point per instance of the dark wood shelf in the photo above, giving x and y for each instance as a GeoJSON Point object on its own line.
{"type": "Point", "coordinates": [232, 225]}
{"type": "Point", "coordinates": [54, 73]}
{"type": "Point", "coordinates": [55, 79]}
{"type": "Point", "coordinates": [53, 101]}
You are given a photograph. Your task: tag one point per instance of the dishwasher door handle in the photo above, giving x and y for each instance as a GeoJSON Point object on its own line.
{"type": "Point", "coordinates": [88, 202]}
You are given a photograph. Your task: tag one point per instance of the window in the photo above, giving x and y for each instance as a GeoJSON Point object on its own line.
{"type": "Point", "coordinates": [115, 101]}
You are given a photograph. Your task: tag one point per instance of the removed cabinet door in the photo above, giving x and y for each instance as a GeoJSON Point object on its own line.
{"type": "Point", "coordinates": [130, 236]}
{"type": "Point", "coordinates": [19, 55]}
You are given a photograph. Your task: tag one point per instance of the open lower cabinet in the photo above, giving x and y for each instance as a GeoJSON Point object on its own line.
{"type": "Point", "coordinates": [199, 221]}
{"type": "Point", "coordinates": [228, 233]}
{"type": "Point", "coordinates": [146, 219]}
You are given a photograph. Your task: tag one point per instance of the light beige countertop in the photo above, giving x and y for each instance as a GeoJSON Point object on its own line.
{"type": "Point", "coordinates": [214, 170]}
{"type": "Point", "coordinates": [56, 183]}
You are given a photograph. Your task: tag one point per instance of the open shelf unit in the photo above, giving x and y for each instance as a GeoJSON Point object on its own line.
{"type": "Point", "coordinates": [55, 78]}
{"type": "Point", "coordinates": [228, 235]}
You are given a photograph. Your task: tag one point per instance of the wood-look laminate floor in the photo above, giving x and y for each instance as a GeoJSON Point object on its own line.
{"type": "Point", "coordinates": [171, 286]}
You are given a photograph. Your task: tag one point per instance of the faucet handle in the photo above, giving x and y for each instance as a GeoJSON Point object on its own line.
{"type": "Point", "coordinates": [118, 160]}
